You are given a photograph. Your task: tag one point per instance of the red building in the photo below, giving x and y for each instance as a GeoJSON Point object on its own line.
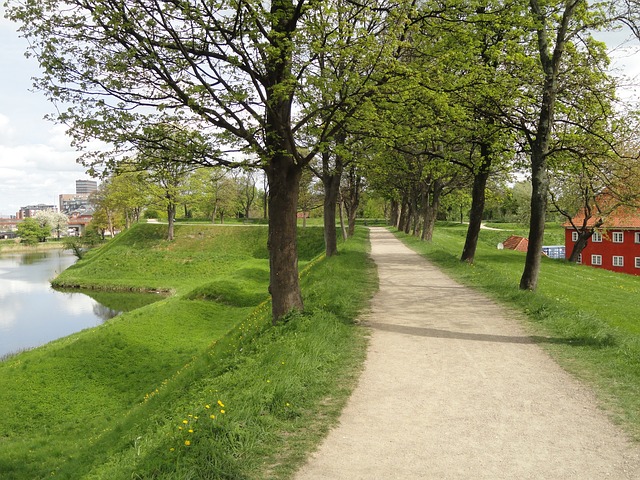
{"type": "Point", "coordinates": [614, 246]}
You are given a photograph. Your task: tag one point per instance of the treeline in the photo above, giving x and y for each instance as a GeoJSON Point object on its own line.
{"type": "Point", "coordinates": [418, 101]}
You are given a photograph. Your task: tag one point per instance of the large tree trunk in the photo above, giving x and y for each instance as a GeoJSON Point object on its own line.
{"type": "Point", "coordinates": [284, 185]}
{"type": "Point", "coordinates": [331, 178]}
{"type": "Point", "coordinates": [540, 143]}
{"type": "Point", "coordinates": [171, 215]}
{"type": "Point", "coordinates": [477, 206]}
{"type": "Point", "coordinates": [539, 197]}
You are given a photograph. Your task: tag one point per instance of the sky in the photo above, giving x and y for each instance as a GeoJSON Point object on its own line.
{"type": "Point", "coordinates": [37, 162]}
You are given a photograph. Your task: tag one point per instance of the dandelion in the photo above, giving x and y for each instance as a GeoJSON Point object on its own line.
{"type": "Point", "coordinates": [221, 411]}
{"type": "Point", "coordinates": [191, 430]}
{"type": "Point", "coordinates": [185, 421]}
{"type": "Point", "coordinates": [187, 442]}
{"type": "Point", "coordinates": [212, 417]}
{"type": "Point", "coordinates": [220, 403]}
{"type": "Point", "coordinates": [172, 449]}
{"type": "Point", "coordinates": [207, 406]}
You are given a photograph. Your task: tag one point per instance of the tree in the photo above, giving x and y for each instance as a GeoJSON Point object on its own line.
{"type": "Point", "coordinates": [55, 222]}
{"type": "Point", "coordinates": [235, 70]}
{"type": "Point", "coordinates": [119, 201]}
{"type": "Point", "coordinates": [247, 191]}
{"type": "Point", "coordinates": [557, 26]}
{"type": "Point", "coordinates": [31, 231]}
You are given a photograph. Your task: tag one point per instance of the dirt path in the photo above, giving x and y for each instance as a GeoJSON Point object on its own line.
{"type": "Point", "coordinates": [453, 389]}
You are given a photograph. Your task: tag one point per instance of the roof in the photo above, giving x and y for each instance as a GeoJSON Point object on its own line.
{"type": "Point", "coordinates": [621, 217]}
{"type": "Point", "coordinates": [514, 242]}
{"type": "Point", "coordinates": [609, 209]}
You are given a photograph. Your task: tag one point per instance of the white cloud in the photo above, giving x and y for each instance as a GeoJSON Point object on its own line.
{"type": "Point", "coordinates": [6, 130]}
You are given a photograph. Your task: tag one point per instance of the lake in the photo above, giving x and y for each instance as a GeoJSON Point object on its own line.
{"type": "Point", "coordinates": [32, 313]}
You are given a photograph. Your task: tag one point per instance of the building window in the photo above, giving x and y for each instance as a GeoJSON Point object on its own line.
{"type": "Point", "coordinates": [596, 237]}
{"type": "Point", "coordinates": [637, 237]}
{"type": "Point", "coordinates": [596, 259]}
{"type": "Point", "coordinates": [618, 237]}
{"type": "Point", "coordinates": [637, 262]}
{"type": "Point", "coordinates": [579, 258]}
{"type": "Point", "coordinates": [574, 236]}
{"type": "Point", "coordinates": [618, 261]}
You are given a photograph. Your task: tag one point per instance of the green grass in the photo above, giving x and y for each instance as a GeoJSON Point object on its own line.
{"type": "Point", "coordinates": [589, 319]}
{"type": "Point", "coordinates": [111, 402]}
{"type": "Point", "coordinates": [141, 258]}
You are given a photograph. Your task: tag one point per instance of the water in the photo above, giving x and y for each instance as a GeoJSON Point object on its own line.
{"type": "Point", "coordinates": [32, 313]}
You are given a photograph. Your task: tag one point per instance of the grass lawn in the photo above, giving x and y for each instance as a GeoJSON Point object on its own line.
{"type": "Point", "coordinates": [199, 384]}
{"type": "Point", "coordinates": [589, 319]}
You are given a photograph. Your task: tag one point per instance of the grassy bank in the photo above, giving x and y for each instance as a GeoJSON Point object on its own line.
{"type": "Point", "coordinates": [10, 246]}
{"type": "Point", "coordinates": [198, 385]}
{"type": "Point", "coordinates": [589, 319]}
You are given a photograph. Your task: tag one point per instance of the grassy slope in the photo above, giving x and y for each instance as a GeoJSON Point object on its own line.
{"type": "Point", "coordinates": [588, 318]}
{"type": "Point", "coordinates": [107, 402]}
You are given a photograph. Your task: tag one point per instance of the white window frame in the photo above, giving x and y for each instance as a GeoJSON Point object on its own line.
{"type": "Point", "coordinates": [579, 258]}
{"type": "Point", "coordinates": [637, 262]}
{"type": "Point", "coordinates": [617, 237]}
{"type": "Point", "coordinates": [596, 259]}
{"type": "Point", "coordinates": [637, 237]}
{"type": "Point", "coordinates": [618, 261]}
{"type": "Point", "coordinates": [596, 237]}
{"type": "Point", "coordinates": [574, 236]}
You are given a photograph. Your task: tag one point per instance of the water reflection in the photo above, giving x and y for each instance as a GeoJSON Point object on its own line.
{"type": "Point", "coordinates": [32, 313]}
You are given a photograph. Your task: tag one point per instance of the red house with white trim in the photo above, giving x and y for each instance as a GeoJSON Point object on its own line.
{"type": "Point", "coordinates": [614, 246]}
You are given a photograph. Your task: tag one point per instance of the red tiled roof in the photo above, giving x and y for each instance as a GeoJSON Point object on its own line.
{"type": "Point", "coordinates": [514, 242]}
{"type": "Point", "coordinates": [621, 217]}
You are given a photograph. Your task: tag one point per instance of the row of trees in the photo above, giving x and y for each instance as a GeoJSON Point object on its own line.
{"type": "Point", "coordinates": [417, 98]}
{"type": "Point", "coordinates": [215, 193]}
{"type": "Point", "coordinates": [41, 226]}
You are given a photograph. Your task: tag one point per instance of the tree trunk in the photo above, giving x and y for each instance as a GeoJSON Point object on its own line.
{"type": "Point", "coordinates": [352, 199]}
{"type": "Point", "coordinates": [343, 227]}
{"type": "Point", "coordinates": [477, 207]}
{"type": "Point", "coordinates": [265, 199]}
{"type": "Point", "coordinates": [580, 245]}
{"type": "Point", "coordinates": [539, 196]}
{"type": "Point", "coordinates": [393, 212]}
{"type": "Point", "coordinates": [404, 207]}
{"type": "Point", "coordinates": [431, 210]}
{"type": "Point", "coordinates": [284, 186]}
{"type": "Point", "coordinates": [171, 214]}
{"type": "Point", "coordinates": [331, 178]}
{"type": "Point", "coordinates": [415, 217]}
{"type": "Point", "coordinates": [331, 192]}
{"type": "Point", "coordinates": [540, 143]}
{"type": "Point", "coordinates": [584, 234]}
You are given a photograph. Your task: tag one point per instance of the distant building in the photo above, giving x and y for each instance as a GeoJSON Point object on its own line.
{"type": "Point", "coordinates": [515, 242]}
{"type": "Point", "coordinates": [86, 186]}
{"type": "Point", "coordinates": [614, 246]}
{"type": "Point", "coordinates": [30, 210]}
{"type": "Point", "coordinates": [521, 244]}
{"type": "Point", "coordinates": [75, 204]}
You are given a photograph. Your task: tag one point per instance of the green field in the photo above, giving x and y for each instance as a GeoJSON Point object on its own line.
{"type": "Point", "coordinates": [589, 319]}
{"type": "Point", "coordinates": [197, 385]}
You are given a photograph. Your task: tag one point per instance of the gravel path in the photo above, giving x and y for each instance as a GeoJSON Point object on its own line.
{"type": "Point", "coordinates": [454, 389]}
